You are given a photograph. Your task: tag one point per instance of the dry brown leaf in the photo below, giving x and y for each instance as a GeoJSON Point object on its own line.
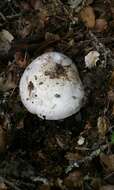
{"type": "Point", "coordinates": [25, 6]}
{"type": "Point", "coordinates": [3, 139]}
{"type": "Point", "coordinates": [3, 186]}
{"type": "Point", "coordinates": [88, 125]}
{"type": "Point", "coordinates": [112, 11]}
{"type": "Point", "coordinates": [111, 88]}
{"type": "Point", "coordinates": [20, 124]}
{"type": "Point", "coordinates": [50, 36]}
{"type": "Point", "coordinates": [103, 126]}
{"type": "Point", "coordinates": [74, 179]}
{"type": "Point", "coordinates": [112, 28]}
{"type": "Point", "coordinates": [112, 79]}
{"type": "Point", "coordinates": [43, 16]}
{"type": "Point", "coordinates": [107, 187]}
{"type": "Point", "coordinates": [96, 183]}
{"type": "Point", "coordinates": [75, 3]}
{"type": "Point", "coordinates": [108, 162]}
{"type": "Point", "coordinates": [101, 25]}
{"type": "Point", "coordinates": [44, 187]}
{"type": "Point", "coordinates": [36, 4]}
{"type": "Point", "coordinates": [60, 142]}
{"type": "Point", "coordinates": [25, 27]}
{"type": "Point", "coordinates": [39, 155]}
{"type": "Point", "coordinates": [73, 156]}
{"type": "Point", "coordinates": [7, 82]}
{"type": "Point", "coordinates": [111, 95]}
{"type": "Point", "coordinates": [113, 110]}
{"type": "Point", "coordinates": [88, 16]}
{"type": "Point", "coordinates": [21, 61]}
{"type": "Point", "coordinates": [5, 40]}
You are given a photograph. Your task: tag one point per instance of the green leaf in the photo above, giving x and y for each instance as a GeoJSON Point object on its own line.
{"type": "Point", "coordinates": [112, 138]}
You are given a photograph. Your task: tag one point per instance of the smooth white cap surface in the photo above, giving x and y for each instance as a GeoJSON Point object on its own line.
{"type": "Point", "coordinates": [51, 88]}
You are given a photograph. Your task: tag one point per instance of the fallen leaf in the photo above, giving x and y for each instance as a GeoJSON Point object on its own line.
{"type": "Point", "coordinates": [111, 95]}
{"type": "Point", "coordinates": [3, 139]}
{"type": "Point", "coordinates": [107, 162]}
{"type": "Point", "coordinates": [112, 138]}
{"type": "Point", "coordinates": [60, 142]}
{"type": "Point", "coordinates": [59, 183]}
{"type": "Point", "coordinates": [21, 60]}
{"type": "Point", "coordinates": [3, 133]}
{"type": "Point", "coordinates": [112, 28]}
{"type": "Point", "coordinates": [103, 126]}
{"type": "Point", "coordinates": [20, 124]}
{"type": "Point", "coordinates": [74, 179]}
{"type": "Point", "coordinates": [36, 4]}
{"type": "Point", "coordinates": [37, 155]}
{"type": "Point", "coordinates": [6, 35]}
{"type": "Point", "coordinates": [113, 110]}
{"type": "Point", "coordinates": [25, 27]}
{"type": "Point", "coordinates": [50, 36]}
{"type": "Point", "coordinates": [7, 82]}
{"type": "Point", "coordinates": [107, 187]}
{"type": "Point", "coordinates": [5, 40]}
{"type": "Point", "coordinates": [109, 178]}
{"type": "Point", "coordinates": [75, 3]}
{"type": "Point", "coordinates": [112, 79]}
{"type": "Point", "coordinates": [88, 125]}
{"type": "Point", "coordinates": [25, 6]}
{"type": "Point", "coordinates": [101, 25]}
{"type": "Point", "coordinates": [43, 16]}
{"type": "Point", "coordinates": [112, 11]}
{"type": "Point", "coordinates": [73, 156]}
{"type": "Point", "coordinates": [96, 183]}
{"type": "Point", "coordinates": [3, 186]}
{"type": "Point", "coordinates": [88, 16]}
{"type": "Point", "coordinates": [44, 187]}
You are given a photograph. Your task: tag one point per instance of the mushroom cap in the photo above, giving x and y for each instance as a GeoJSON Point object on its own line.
{"type": "Point", "coordinates": [51, 88]}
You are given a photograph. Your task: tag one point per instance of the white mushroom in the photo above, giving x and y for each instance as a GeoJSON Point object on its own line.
{"type": "Point", "coordinates": [51, 88]}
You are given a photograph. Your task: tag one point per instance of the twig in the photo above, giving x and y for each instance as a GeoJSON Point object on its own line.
{"type": "Point", "coordinates": [2, 16]}
{"type": "Point", "coordinates": [78, 163]}
{"type": "Point", "coordinates": [40, 179]}
{"type": "Point", "coordinates": [13, 16]}
{"type": "Point", "coordinates": [12, 92]}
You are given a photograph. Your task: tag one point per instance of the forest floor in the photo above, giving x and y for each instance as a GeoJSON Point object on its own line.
{"type": "Point", "coordinates": [76, 153]}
